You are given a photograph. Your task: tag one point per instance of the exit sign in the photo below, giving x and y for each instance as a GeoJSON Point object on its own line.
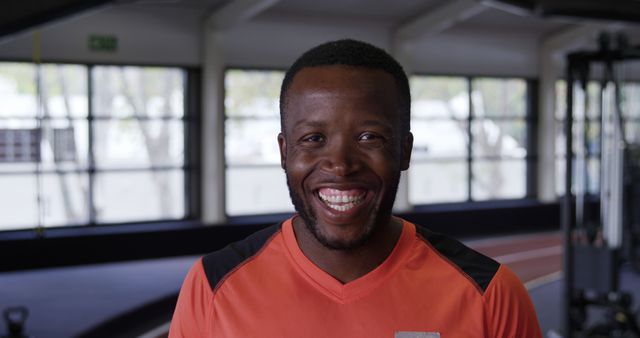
{"type": "Point", "coordinates": [103, 43]}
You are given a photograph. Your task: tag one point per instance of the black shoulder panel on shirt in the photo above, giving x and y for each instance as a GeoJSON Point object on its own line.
{"type": "Point", "coordinates": [478, 267]}
{"type": "Point", "coordinates": [219, 263]}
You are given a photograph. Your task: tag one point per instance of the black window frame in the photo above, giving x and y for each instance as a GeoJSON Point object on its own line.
{"type": "Point", "coordinates": [531, 121]}
{"type": "Point", "coordinates": [191, 167]}
{"type": "Point", "coordinates": [253, 217]}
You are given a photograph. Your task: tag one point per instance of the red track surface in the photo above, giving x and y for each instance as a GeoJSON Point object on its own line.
{"type": "Point", "coordinates": [533, 257]}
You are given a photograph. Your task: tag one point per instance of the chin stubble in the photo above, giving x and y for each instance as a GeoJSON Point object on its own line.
{"type": "Point", "coordinates": [311, 221]}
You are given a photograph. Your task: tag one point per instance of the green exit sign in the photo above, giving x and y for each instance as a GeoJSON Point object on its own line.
{"type": "Point", "coordinates": [103, 43]}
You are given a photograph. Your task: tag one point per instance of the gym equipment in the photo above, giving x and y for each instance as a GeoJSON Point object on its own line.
{"type": "Point", "coordinates": [601, 230]}
{"type": "Point", "coordinates": [15, 317]}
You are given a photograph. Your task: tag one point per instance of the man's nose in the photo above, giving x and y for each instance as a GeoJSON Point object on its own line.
{"type": "Point", "coordinates": [341, 158]}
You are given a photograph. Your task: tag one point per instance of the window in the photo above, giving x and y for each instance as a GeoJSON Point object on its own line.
{"type": "Point", "coordinates": [91, 144]}
{"type": "Point", "coordinates": [631, 111]}
{"type": "Point", "coordinates": [587, 131]}
{"type": "Point", "coordinates": [440, 127]}
{"type": "Point", "coordinates": [470, 139]}
{"type": "Point", "coordinates": [138, 143]}
{"type": "Point", "coordinates": [255, 182]}
{"type": "Point", "coordinates": [499, 138]}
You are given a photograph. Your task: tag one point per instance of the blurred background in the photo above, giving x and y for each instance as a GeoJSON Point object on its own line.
{"type": "Point", "coordinates": [137, 135]}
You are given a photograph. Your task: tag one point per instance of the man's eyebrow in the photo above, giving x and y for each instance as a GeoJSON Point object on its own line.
{"type": "Point", "coordinates": [309, 123]}
{"type": "Point", "coordinates": [377, 123]}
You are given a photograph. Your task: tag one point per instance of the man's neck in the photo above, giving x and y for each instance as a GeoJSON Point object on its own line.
{"type": "Point", "coordinates": [348, 265]}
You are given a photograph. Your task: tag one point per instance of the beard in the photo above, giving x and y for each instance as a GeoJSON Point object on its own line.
{"type": "Point", "coordinates": [380, 212]}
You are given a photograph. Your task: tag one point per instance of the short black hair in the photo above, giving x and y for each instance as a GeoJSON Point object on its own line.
{"type": "Point", "coordinates": [348, 52]}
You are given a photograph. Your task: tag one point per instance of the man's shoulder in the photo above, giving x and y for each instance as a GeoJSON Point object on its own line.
{"type": "Point", "coordinates": [478, 268]}
{"type": "Point", "coordinates": [218, 264]}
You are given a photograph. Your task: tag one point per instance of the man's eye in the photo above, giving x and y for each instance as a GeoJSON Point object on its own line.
{"type": "Point", "coordinates": [313, 138]}
{"type": "Point", "coordinates": [370, 137]}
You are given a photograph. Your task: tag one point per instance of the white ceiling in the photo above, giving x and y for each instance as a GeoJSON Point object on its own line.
{"type": "Point", "coordinates": [370, 10]}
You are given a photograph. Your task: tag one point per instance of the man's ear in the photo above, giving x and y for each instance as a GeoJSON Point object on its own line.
{"type": "Point", "coordinates": [407, 146]}
{"type": "Point", "coordinates": [282, 144]}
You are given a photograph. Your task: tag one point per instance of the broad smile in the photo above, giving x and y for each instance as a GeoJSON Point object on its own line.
{"type": "Point", "coordinates": [342, 202]}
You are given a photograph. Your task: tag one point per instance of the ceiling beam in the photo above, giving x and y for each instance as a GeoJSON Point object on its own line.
{"type": "Point", "coordinates": [236, 12]}
{"type": "Point", "coordinates": [570, 38]}
{"type": "Point", "coordinates": [438, 20]}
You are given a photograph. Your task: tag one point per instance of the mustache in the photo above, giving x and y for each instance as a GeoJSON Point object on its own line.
{"type": "Point", "coordinates": [325, 178]}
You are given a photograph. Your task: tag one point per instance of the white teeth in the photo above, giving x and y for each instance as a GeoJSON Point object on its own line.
{"type": "Point", "coordinates": [343, 207]}
{"type": "Point", "coordinates": [349, 201]}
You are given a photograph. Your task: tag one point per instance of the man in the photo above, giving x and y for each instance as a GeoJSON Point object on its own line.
{"type": "Point", "coordinates": [344, 266]}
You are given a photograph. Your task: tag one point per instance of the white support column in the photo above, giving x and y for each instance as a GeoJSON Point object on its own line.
{"type": "Point", "coordinates": [213, 159]}
{"type": "Point", "coordinates": [552, 50]}
{"type": "Point", "coordinates": [213, 169]}
{"type": "Point", "coordinates": [401, 52]}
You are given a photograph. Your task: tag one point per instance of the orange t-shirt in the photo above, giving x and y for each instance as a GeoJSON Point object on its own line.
{"type": "Point", "coordinates": [430, 286]}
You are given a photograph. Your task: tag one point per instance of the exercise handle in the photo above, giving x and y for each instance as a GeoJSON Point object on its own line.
{"type": "Point", "coordinates": [15, 317]}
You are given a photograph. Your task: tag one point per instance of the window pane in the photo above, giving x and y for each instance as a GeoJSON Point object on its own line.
{"type": "Point", "coordinates": [64, 90]}
{"type": "Point", "coordinates": [499, 97]}
{"type": "Point", "coordinates": [592, 134]}
{"type": "Point", "coordinates": [593, 138]}
{"type": "Point", "coordinates": [560, 142]}
{"type": "Point", "coordinates": [593, 101]}
{"type": "Point", "coordinates": [252, 93]}
{"type": "Point", "coordinates": [139, 196]}
{"type": "Point", "coordinates": [19, 145]}
{"type": "Point", "coordinates": [252, 141]}
{"type": "Point", "coordinates": [499, 179]}
{"type": "Point", "coordinates": [64, 144]}
{"type": "Point", "coordinates": [134, 143]}
{"type": "Point", "coordinates": [632, 132]}
{"type": "Point", "coordinates": [257, 190]}
{"type": "Point", "coordinates": [631, 100]}
{"type": "Point", "coordinates": [593, 174]}
{"type": "Point", "coordinates": [439, 96]}
{"type": "Point", "coordinates": [138, 91]}
{"type": "Point", "coordinates": [439, 139]}
{"type": "Point", "coordinates": [499, 138]}
{"type": "Point", "coordinates": [561, 98]}
{"type": "Point", "coordinates": [57, 143]}
{"type": "Point", "coordinates": [18, 201]}
{"type": "Point", "coordinates": [65, 199]}
{"type": "Point", "coordinates": [18, 90]}
{"type": "Point", "coordinates": [438, 182]}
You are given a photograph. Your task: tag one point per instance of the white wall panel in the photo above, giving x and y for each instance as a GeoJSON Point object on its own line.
{"type": "Point", "coordinates": [480, 52]}
{"type": "Point", "coordinates": [275, 43]}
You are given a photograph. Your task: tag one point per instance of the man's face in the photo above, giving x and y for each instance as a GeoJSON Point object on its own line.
{"type": "Point", "coordinates": [343, 151]}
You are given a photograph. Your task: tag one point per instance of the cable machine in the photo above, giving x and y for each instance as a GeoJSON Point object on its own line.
{"type": "Point", "coordinates": [601, 229]}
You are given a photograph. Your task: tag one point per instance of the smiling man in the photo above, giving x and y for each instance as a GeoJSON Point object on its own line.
{"type": "Point", "coordinates": [344, 266]}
